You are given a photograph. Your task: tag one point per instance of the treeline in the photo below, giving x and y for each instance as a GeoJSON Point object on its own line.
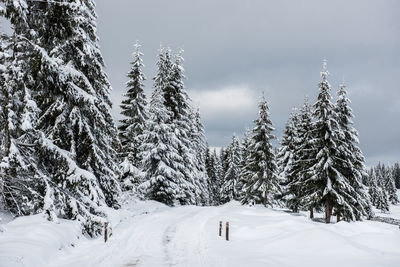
{"type": "Point", "coordinates": [383, 182]}
{"type": "Point", "coordinates": [318, 165]}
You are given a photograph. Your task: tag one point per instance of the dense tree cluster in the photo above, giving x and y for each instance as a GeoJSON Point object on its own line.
{"type": "Point", "coordinates": [381, 181]}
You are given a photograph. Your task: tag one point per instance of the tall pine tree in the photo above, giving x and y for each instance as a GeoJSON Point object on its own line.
{"type": "Point", "coordinates": [262, 183]}
{"type": "Point", "coordinates": [73, 153]}
{"type": "Point", "coordinates": [231, 176]}
{"type": "Point", "coordinates": [133, 125]}
{"type": "Point", "coordinates": [327, 181]}
{"type": "Point", "coordinates": [161, 159]}
{"type": "Point", "coordinates": [297, 171]}
{"type": "Point", "coordinates": [355, 202]}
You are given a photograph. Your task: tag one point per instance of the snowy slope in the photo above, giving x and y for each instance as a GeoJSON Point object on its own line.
{"type": "Point", "coordinates": [151, 234]}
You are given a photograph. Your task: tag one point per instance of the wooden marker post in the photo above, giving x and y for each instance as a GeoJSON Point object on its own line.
{"type": "Point", "coordinates": [105, 231]}
{"type": "Point", "coordinates": [220, 228]}
{"type": "Point", "coordinates": [227, 231]}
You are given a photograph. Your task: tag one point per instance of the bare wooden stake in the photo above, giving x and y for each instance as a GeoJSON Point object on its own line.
{"type": "Point", "coordinates": [227, 231]}
{"type": "Point", "coordinates": [220, 228]}
{"type": "Point", "coordinates": [105, 231]}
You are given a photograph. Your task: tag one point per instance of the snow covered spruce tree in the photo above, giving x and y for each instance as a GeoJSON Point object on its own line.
{"type": "Point", "coordinates": [396, 174]}
{"type": "Point", "coordinates": [262, 183]}
{"type": "Point", "coordinates": [200, 149]}
{"type": "Point", "coordinates": [161, 159]}
{"type": "Point", "coordinates": [22, 186]}
{"type": "Point", "coordinates": [133, 125]}
{"type": "Point", "coordinates": [244, 154]}
{"type": "Point", "coordinates": [352, 166]}
{"type": "Point", "coordinates": [178, 102]}
{"type": "Point", "coordinates": [377, 194]}
{"type": "Point", "coordinates": [328, 181]}
{"type": "Point", "coordinates": [297, 170]}
{"type": "Point", "coordinates": [390, 185]}
{"type": "Point", "coordinates": [76, 139]}
{"type": "Point", "coordinates": [229, 183]}
{"type": "Point", "coordinates": [185, 131]}
{"type": "Point", "coordinates": [214, 185]}
{"type": "Point", "coordinates": [287, 149]}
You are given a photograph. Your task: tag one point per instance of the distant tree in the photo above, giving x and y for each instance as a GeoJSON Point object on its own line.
{"type": "Point", "coordinates": [224, 163]}
{"type": "Point", "coordinates": [133, 125]}
{"type": "Point", "coordinates": [214, 185]}
{"type": "Point", "coordinates": [390, 186]}
{"type": "Point", "coordinates": [287, 149]}
{"type": "Point", "coordinates": [230, 180]}
{"type": "Point", "coordinates": [199, 145]}
{"type": "Point", "coordinates": [377, 194]}
{"type": "Point", "coordinates": [262, 184]}
{"type": "Point", "coordinates": [244, 153]}
{"type": "Point", "coordinates": [396, 174]}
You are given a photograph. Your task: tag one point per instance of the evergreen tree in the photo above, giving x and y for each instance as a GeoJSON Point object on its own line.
{"type": "Point", "coordinates": [169, 82]}
{"type": "Point", "coordinates": [390, 186]}
{"type": "Point", "coordinates": [161, 159]}
{"type": "Point", "coordinates": [200, 148]}
{"type": "Point", "coordinates": [297, 171]}
{"type": "Point", "coordinates": [21, 184]}
{"type": "Point", "coordinates": [230, 180]}
{"type": "Point", "coordinates": [185, 130]}
{"type": "Point", "coordinates": [262, 183]}
{"type": "Point", "coordinates": [287, 149]}
{"type": "Point", "coordinates": [326, 181]}
{"type": "Point", "coordinates": [224, 163]}
{"type": "Point", "coordinates": [244, 152]}
{"type": "Point", "coordinates": [134, 123]}
{"type": "Point", "coordinates": [377, 194]}
{"type": "Point", "coordinates": [396, 174]}
{"type": "Point", "coordinates": [213, 176]}
{"type": "Point", "coordinates": [355, 202]}
{"type": "Point", "coordinates": [68, 129]}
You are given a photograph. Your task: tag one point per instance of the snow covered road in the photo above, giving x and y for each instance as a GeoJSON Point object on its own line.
{"type": "Point", "coordinates": [150, 234]}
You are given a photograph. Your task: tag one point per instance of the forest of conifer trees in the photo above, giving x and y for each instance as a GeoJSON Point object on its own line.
{"type": "Point", "coordinates": [62, 154]}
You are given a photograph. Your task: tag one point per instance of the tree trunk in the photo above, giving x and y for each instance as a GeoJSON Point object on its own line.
{"type": "Point", "coordinates": [311, 213]}
{"type": "Point", "coordinates": [328, 211]}
{"type": "Point", "coordinates": [337, 216]}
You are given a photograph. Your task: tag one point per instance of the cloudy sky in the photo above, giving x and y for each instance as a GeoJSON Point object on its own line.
{"type": "Point", "coordinates": [234, 50]}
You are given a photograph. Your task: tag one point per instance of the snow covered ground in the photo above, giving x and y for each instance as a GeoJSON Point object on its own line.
{"type": "Point", "coordinates": [151, 234]}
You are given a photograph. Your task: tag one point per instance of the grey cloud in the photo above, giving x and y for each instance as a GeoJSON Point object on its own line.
{"type": "Point", "coordinates": [271, 46]}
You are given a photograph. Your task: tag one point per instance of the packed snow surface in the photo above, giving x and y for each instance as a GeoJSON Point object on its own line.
{"type": "Point", "coordinates": [151, 234]}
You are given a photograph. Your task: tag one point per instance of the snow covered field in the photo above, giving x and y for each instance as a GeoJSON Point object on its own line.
{"type": "Point", "coordinates": [151, 234]}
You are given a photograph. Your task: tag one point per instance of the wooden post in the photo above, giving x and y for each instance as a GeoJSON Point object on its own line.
{"type": "Point", "coordinates": [220, 228]}
{"type": "Point", "coordinates": [105, 231]}
{"type": "Point", "coordinates": [227, 231]}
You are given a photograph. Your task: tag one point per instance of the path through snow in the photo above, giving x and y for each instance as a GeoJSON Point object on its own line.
{"type": "Point", "coordinates": [149, 234]}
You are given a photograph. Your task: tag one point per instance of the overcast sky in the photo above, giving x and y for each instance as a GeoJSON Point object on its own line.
{"type": "Point", "coordinates": [234, 50]}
